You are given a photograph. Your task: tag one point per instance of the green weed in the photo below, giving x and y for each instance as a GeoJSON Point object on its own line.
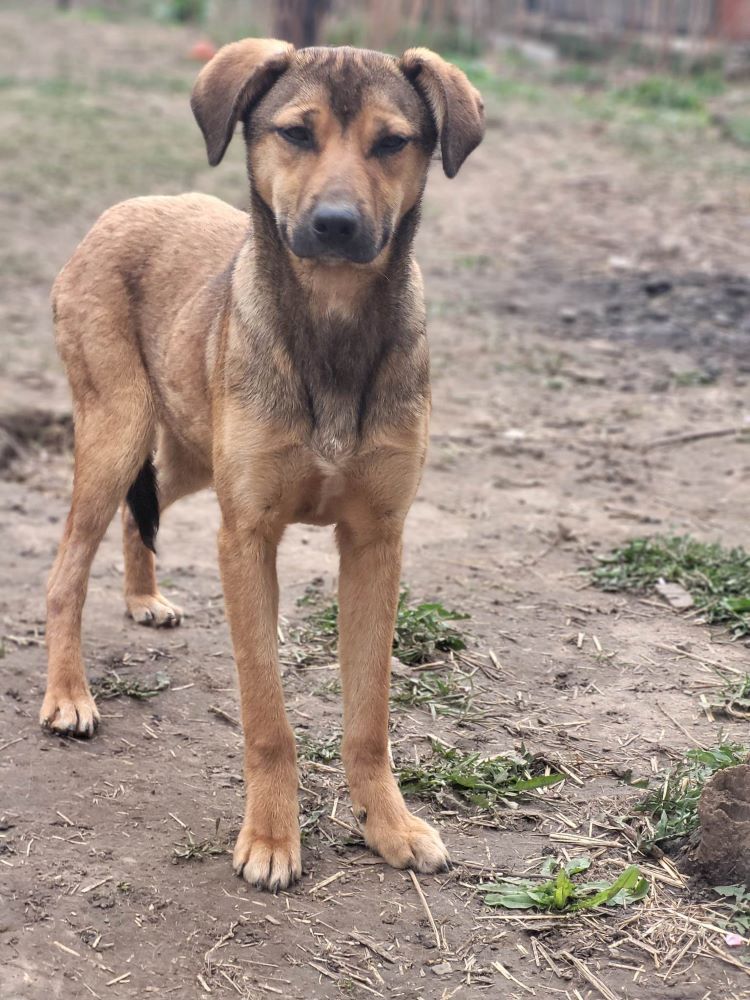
{"type": "Point", "coordinates": [486, 782]}
{"type": "Point", "coordinates": [439, 692]}
{"type": "Point", "coordinates": [671, 811]}
{"type": "Point", "coordinates": [196, 850]}
{"type": "Point", "coordinates": [581, 75]}
{"type": "Point", "coordinates": [181, 11]}
{"type": "Point", "coordinates": [560, 894]}
{"type": "Point", "coordinates": [733, 699]}
{"type": "Point", "coordinates": [322, 751]}
{"type": "Point", "coordinates": [114, 686]}
{"type": "Point", "coordinates": [738, 918]}
{"type": "Point", "coordinates": [718, 579]}
{"type": "Point", "coordinates": [688, 379]}
{"type": "Point", "coordinates": [421, 631]}
{"type": "Point", "coordinates": [474, 261]}
{"type": "Point", "coordinates": [737, 128]}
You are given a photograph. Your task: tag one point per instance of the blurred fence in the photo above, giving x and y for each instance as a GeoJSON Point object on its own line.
{"type": "Point", "coordinates": [468, 25]}
{"type": "Point", "coordinates": [729, 19]}
{"type": "Point", "coordinates": [476, 21]}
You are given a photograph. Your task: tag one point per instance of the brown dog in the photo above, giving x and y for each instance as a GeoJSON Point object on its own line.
{"type": "Point", "coordinates": [283, 358]}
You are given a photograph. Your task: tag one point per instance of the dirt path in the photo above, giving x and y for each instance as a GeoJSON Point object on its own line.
{"type": "Point", "coordinates": [589, 297]}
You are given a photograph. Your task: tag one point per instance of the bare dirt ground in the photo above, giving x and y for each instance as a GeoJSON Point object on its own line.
{"type": "Point", "coordinates": [587, 278]}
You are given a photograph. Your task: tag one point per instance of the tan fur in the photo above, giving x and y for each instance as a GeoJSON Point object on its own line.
{"type": "Point", "coordinates": [190, 329]}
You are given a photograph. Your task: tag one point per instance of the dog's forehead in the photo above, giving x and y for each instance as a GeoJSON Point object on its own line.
{"type": "Point", "coordinates": [347, 78]}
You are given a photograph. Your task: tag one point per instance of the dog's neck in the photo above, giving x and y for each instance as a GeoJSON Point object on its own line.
{"type": "Point", "coordinates": [340, 316]}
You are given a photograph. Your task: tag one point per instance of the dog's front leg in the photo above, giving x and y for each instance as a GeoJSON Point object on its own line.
{"type": "Point", "coordinates": [368, 597]}
{"type": "Point", "coordinates": [267, 852]}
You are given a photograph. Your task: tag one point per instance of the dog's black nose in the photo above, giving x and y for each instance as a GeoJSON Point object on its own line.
{"type": "Point", "coordinates": [335, 226]}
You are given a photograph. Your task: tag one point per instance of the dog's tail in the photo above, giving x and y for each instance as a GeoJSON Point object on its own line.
{"type": "Point", "coordinates": [143, 500]}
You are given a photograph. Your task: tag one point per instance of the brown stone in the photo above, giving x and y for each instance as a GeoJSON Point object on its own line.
{"type": "Point", "coordinates": [724, 811]}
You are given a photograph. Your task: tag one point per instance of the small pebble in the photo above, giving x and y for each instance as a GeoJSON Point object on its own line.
{"type": "Point", "coordinates": [443, 969]}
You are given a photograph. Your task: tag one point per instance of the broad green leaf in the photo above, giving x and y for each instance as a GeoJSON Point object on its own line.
{"type": "Point", "coordinates": [629, 879]}
{"type": "Point", "coordinates": [540, 781]}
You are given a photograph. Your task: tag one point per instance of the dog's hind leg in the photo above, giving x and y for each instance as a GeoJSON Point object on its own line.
{"type": "Point", "coordinates": [112, 440]}
{"type": "Point", "coordinates": [176, 475]}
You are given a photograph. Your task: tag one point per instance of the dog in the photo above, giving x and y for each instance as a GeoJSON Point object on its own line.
{"type": "Point", "coordinates": [281, 356]}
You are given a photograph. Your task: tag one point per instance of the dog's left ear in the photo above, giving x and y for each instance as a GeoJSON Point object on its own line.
{"type": "Point", "coordinates": [456, 106]}
{"type": "Point", "coordinates": [230, 83]}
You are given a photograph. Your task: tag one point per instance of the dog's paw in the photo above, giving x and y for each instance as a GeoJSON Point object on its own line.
{"type": "Point", "coordinates": [69, 714]}
{"type": "Point", "coordinates": [405, 841]}
{"type": "Point", "coordinates": [267, 863]}
{"type": "Point", "coordinates": [154, 610]}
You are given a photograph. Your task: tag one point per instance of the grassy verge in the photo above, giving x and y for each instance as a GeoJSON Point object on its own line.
{"type": "Point", "coordinates": [717, 579]}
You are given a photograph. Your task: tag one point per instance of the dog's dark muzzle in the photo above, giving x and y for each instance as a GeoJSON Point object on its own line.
{"type": "Point", "coordinates": [336, 231]}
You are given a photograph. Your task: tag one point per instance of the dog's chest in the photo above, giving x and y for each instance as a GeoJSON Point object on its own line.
{"type": "Point", "coordinates": [322, 486]}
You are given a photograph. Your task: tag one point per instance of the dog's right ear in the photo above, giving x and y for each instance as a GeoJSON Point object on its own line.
{"type": "Point", "coordinates": [230, 83]}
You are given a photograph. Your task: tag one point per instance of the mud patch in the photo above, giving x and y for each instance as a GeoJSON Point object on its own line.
{"type": "Point", "coordinates": [724, 811]}
{"type": "Point", "coordinates": [705, 316]}
{"type": "Point", "coordinates": [24, 434]}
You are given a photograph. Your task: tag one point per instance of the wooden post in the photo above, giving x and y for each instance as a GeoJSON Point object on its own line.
{"type": "Point", "coordinates": [299, 21]}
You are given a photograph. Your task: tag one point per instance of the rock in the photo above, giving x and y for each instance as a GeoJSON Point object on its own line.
{"type": "Point", "coordinates": [724, 811]}
{"type": "Point", "coordinates": [675, 595]}
{"type": "Point", "coordinates": [654, 286]}
{"type": "Point", "coordinates": [443, 969]}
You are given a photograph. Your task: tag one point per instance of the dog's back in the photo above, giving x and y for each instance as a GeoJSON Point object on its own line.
{"type": "Point", "coordinates": [140, 265]}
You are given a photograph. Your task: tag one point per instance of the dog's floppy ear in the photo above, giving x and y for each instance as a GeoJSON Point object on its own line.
{"type": "Point", "coordinates": [456, 106]}
{"type": "Point", "coordinates": [230, 83]}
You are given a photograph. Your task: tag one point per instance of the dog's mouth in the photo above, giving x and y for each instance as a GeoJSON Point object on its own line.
{"type": "Point", "coordinates": [340, 237]}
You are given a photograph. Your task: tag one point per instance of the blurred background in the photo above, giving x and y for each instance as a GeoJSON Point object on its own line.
{"type": "Point", "coordinates": [618, 143]}
{"type": "Point", "coordinates": [582, 28]}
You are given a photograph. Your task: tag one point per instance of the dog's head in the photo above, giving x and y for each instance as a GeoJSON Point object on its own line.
{"type": "Point", "coordinates": [339, 140]}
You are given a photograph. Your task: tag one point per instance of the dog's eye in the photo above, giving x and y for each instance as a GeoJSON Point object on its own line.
{"type": "Point", "coordinates": [298, 135]}
{"type": "Point", "coordinates": [390, 144]}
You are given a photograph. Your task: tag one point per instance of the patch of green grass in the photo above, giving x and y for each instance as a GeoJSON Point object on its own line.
{"type": "Point", "coordinates": [439, 692]}
{"type": "Point", "coordinates": [182, 11]}
{"type": "Point", "coordinates": [114, 686]}
{"type": "Point", "coordinates": [309, 823]}
{"type": "Point", "coordinates": [718, 579]}
{"type": "Point", "coordinates": [738, 917]}
{"type": "Point", "coordinates": [486, 782]}
{"type": "Point", "coordinates": [581, 75]}
{"type": "Point", "coordinates": [474, 261]}
{"type": "Point", "coordinates": [733, 698]}
{"type": "Point", "coordinates": [489, 81]}
{"type": "Point", "coordinates": [561, 894]}
{"type": "Point", "coordinates": [672, 92]}
{"type": "Point", "coordinates": [422, 630]}
{"type": "Point", "coordinates": [153, 82]}
{"type": "Point", "coordinates": [671, 812]}
{"type": "Point", "coordinates": [322, 751]}
{"type": "Point", "coordinates": [737, 128]}
{"type": "Point", "coordinates": [75, 156]}
{"type": "Point", "coordinates": [196, 850]}
{"type": "Point", "coordinates": [688, 379]}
